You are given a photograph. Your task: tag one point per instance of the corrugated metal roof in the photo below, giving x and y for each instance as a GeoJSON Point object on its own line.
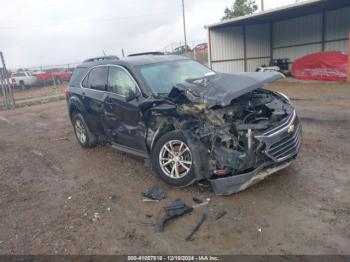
{"type": "Point", "coordinates": [297, 9]}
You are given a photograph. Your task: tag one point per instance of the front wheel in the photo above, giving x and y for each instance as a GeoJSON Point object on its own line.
{"type": "Point", "coordinates": [172, 160]}
{"type": "Point", "coordinates": [82, 133]}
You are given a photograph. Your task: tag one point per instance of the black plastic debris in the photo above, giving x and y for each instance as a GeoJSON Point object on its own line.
{"type": "Point", "coordinates": [155, 193]}
{"type": "Point", "coordinates": [173, 210]}
{"type": "Point", "coordinates": [220, 215]}
{"type": "Point", "coordinates": [190, 237]}
{"type": "Point", "coordinates": [197, 200]}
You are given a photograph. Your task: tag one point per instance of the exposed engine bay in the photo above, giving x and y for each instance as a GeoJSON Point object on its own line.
{"type": "Point", "coordinates": [229, 131]}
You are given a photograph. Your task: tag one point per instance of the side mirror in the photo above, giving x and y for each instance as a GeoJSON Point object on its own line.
{"type": "Point", "coordinates": [132, 95]}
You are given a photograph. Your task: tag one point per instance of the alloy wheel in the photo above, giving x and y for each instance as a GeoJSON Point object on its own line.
{"type": "Point", "coordinates": [175, 159]}
{"type": "Point", "coordinates": [80, 131]}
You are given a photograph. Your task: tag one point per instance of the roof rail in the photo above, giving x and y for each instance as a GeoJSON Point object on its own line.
{"type": "Point", "coordinates": [101, 58]}
{"type": "Point", "coordinates": [146, 53]}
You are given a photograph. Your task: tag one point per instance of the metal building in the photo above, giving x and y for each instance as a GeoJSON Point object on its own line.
{"type": "Point", "coordinates": [245, 43]}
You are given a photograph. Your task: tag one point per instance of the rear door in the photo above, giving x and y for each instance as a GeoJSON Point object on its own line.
{"type": "Point", "coordinates": [93, 96]}
{"type": "Point", "coordinates": [123, 119]}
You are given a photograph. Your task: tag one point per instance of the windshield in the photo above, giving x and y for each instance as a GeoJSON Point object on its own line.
{"type": "Point", "coordinates": [161, 77]}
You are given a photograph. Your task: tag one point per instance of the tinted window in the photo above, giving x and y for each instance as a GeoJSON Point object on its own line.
{"type": "Point", "coordinates": [77, 76]}
{"type": "Point", "coordinates": [85, 82]}
{"type": "Point", "coordinates": [98, 78]}
{"type": "Point", "coordinates": [120, 82]}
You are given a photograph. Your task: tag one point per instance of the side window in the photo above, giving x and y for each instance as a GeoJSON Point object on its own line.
{"type": "Point", "coordinates": [120, 82]}
{"type": "Point", "coordinates": [85, 83]}
{"type": "Point", "coordinates": [98, 78]}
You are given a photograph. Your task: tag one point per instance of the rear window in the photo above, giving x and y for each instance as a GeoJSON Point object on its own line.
{"type": "Point", "coordinates": [77, 76]}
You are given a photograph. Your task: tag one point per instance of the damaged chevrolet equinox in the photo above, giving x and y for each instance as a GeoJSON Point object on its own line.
{"type": "Point", "coordinates": [192, 123]}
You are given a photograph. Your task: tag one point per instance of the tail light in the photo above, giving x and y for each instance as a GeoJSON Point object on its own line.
{"type": "Point", "coordinates": [66, 93]}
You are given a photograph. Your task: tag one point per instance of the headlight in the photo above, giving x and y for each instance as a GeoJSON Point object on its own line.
{"type": "Point", "coordinates": [283, 95]}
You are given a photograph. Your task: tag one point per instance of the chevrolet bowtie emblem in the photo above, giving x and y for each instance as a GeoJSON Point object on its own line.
{"type": "Point", "coordinates": [291, 129]}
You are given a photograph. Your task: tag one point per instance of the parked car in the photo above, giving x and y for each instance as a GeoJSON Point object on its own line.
{"type": "Point", "coordinates": [201, 47]}
{"type": "Point", "coordinates": [57, 76]}
{"type": "Point", "coordinates": [23, 79]}
{"type": "Point", "coordinates": [192, 123]}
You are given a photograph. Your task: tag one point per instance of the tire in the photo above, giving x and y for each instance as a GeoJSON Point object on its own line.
{"type": "Point", "coordinates": [180, 156]}
{"type": "Point", "coordinates": [82, 133]}
{"type": "Point", "coordinates": [22, 85]}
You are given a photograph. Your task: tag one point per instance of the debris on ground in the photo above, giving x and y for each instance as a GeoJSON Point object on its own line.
{"type": "Point", "coordinates": [204, 203]}
{"type": "Point", "coordinates": [204, 186]}
{"type": "Point", "coordinates": [220, 215]}
{"type": "Point", "coordinates": [155, 193]}
{"type": "Point", "coordinates": [149, 215]}
{"type": "Point", "coordinates": [173, 210]}
{"type": "Point", "coordinates": [149, 200]}
{"type": "Point", "coordinates": [199, 224]}
{"type": "Point", "coordinates": [60, 139]}
{"type": "Point", "coordinates": [109, 209]}
{"type": "Point", "coordinates": [38, 153]}
{"type": "Point", "coordinates": [69, 198]}
{"type": "Point", "coordinates": [96, 217]}
{"type": "Point", "coordinates": [197, 200]}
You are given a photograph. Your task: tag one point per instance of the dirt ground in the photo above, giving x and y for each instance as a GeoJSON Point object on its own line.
{"type": "Point", "coordinates": [36, 92]}
{"type": "Point", "coordinates": [50, 190]}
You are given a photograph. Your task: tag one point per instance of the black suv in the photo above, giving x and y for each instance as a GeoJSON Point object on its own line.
{"type": "Point", "coordinates": [193, 123]}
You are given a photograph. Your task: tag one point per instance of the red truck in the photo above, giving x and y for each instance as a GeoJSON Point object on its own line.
{"type": "Point", "coordinates": [57, 76]}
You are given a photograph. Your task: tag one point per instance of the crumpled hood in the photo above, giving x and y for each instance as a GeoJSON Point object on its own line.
{"type": "Point", "coordinates": [221, 89]}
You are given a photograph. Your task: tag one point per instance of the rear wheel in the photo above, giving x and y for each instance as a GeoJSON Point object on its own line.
{"type": "Point", "coordinates": [22, 85]}
{"type": "Point", "coordinates": [172, 160]}
{"type": "Point", "coordinates": [84, 136]}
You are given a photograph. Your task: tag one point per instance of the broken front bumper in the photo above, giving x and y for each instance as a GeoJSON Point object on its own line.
{"type": "Point", "coordinates": [235, 184]}
{"type": "Point", "coordinates": [282, 145]}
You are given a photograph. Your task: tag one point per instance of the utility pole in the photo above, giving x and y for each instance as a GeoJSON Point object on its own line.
{"type": "Point", "coordinates": [184, 22]}
{"type": "Point", "coordinates": [262, 6]}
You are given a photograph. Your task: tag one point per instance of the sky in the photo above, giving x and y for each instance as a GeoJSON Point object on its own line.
{"type": "Point", "coordinates": [54, 32]}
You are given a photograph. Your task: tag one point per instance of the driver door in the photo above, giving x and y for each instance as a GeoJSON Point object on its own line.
{"type": "Point", "coordinates": [123, 119]}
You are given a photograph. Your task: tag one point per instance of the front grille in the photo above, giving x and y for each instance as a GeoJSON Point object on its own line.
{"type": "Point", "coordinates": [283, 142]}
{"type": "Point", "coordinates": [287, 146]}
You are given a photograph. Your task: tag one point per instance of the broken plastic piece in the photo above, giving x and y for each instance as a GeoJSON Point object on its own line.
{"type": "Point", "coordinates": [197, 200]}
{"type": "Point", "coordinates": [201, 221]}
{"type": "Point", "coordinates": [149, 200]}
{"type": "Point", "coordinates": [220, 215]}
{"type": "Point", "coordinates": [204, 203]}
{"type": "Point", "coordinates": [155, 193]}
{"type": "Point", "coordinates": [173, 210]}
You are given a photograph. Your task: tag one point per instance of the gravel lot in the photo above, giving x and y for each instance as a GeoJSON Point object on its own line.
{"type": "Point", "coordinates": [50, 190]}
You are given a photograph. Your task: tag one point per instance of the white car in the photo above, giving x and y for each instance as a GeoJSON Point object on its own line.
{"type": "Point", "coordinates": [23, 79]}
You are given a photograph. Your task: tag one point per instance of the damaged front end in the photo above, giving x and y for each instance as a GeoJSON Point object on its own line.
{"type": "Point", "coordinates": [239, 135]}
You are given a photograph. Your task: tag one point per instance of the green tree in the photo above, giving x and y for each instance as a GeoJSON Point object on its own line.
{"type": "Point", "coordinates": [240, 8]}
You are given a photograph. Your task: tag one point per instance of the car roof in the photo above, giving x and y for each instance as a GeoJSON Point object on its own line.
{"type": "Point", "coordinates": [137, 60]}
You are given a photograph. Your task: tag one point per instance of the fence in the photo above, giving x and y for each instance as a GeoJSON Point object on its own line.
{"type": "Point", "coordinates": [6, 89]}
